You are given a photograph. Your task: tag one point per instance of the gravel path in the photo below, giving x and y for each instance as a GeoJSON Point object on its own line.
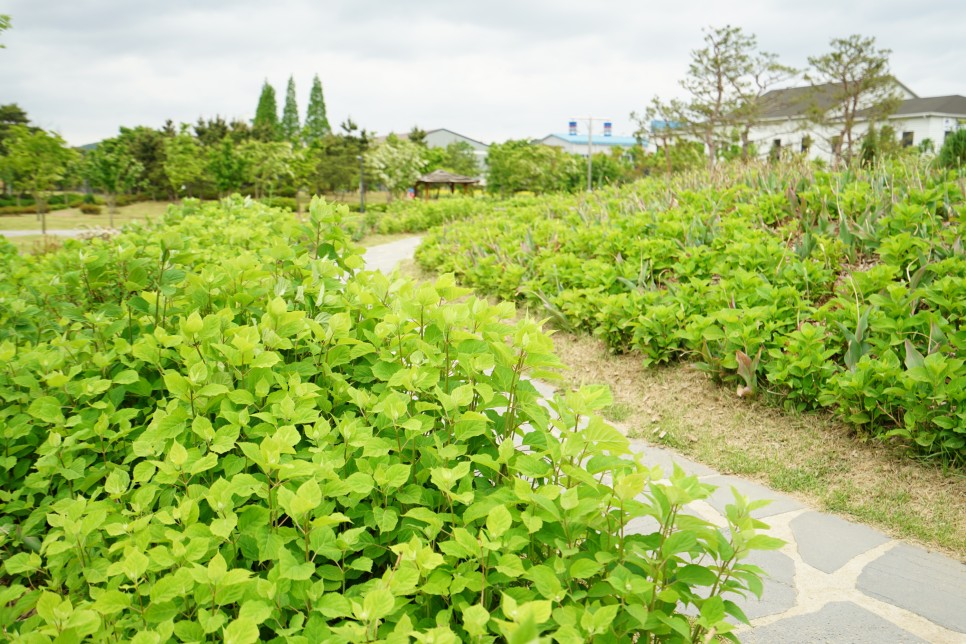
{"type": "Point", "coordinates": [834, 580]}
{"type": "Point", "coordinates": [59, 232]}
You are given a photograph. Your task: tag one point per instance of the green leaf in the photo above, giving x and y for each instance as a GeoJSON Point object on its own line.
{"type": "Point", "coordinates": [545, 581]}
{"type": "Point", "coordinates": [241, 631]}
{"type": "Point", "coordinates": [584, 568]}
{"type": "Point", "coordinates": [110, 602]}
{"type": "Point", "coordinates": [47, 409]}
{"type": "Point", "coordinates": [23, 562]}
{"type": "Point", "coordinates": [498, 521]}
{"type": "Point", "coordinates": [377, 604]}
{"type": "Point", "coordinates": [712, 611]}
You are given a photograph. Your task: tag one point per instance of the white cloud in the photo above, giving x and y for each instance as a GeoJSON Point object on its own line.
{"type": "Point", "coordinates": [495, 71]}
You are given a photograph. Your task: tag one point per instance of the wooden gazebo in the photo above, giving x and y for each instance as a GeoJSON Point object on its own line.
{"type": "Point", "coordinates": [440, 178]}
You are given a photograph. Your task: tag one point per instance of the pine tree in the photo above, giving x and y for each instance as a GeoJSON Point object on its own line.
{"type": "Point", "coordinates": [316, 122]}
{"type": "Point", "coordinates": [290, 114]}
{"type": "Point", "coordinates": [266, 125]}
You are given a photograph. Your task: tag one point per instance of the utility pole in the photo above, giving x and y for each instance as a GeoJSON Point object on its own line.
{"type": "Point", "coordinates": [590, 146]}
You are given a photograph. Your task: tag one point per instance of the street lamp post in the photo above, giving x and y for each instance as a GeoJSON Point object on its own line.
{"type": "Point", "coordinates": [590, 145]}
{"type": "Point", "coordinates": [362, 185]}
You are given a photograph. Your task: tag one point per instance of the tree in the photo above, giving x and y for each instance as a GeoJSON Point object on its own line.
{"type": "Point", "coordinates": [38, 160]}
{"type": "Point", "coordinates": [4, 25]}
{"type": "Point", "coordinates": [211, 132]}
{"type": "Point", "coordinates": [662, 120]}
{"type": "Point", "coordinates": [111, 167]}
{"type": "Point", "coordinates": [316, 122]}
{"type": "Point", "coordinates": [953, 152]}
{"type": "Point", "coordinates": [226, 167]}
{"type": "Point", "coordinates": [395, 163]}
{"type": "Point", "coordinates": [266, 164]}
{"type": "Point", "coordinates": [147, 147]}
{"type": "Point", "coordinates": [183, 161]}
{"type": "Point", "coordinates": [461, 158]}
{"type": "Point", "coordinates": [289, 127]}
{"type": "Point", "coordinates": [725, 81]}
{"type": "Point", "coordinates": [265, 124]}
{"type": "Point", "coordinates": [856, 82]}
{"type": "Point", "coordinates": [514, 166]}
{"type": "Point", "coordinates": [10, 115]}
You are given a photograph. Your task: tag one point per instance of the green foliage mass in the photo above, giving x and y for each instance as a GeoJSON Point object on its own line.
{"type": "Point", "coordinates": [829, 290]}
{"type": "Point", "coordinates": [217, 427]}
{"type": "Point", "coordinates": [953, 152]}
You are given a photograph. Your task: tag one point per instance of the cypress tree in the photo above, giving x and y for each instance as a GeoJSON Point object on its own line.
{"type": "Point", "coordinates": [266, 125]}
{"type": "Point", "coordinates": [290, 114]}
{"type": "Point", "coordinates": [316, 122]}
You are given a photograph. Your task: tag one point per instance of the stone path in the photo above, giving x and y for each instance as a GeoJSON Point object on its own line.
{"type": "Point", "coordinates": [834, 581]}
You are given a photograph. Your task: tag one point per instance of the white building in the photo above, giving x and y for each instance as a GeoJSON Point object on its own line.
{"type": "Point", "coordinates": [579, 144]}
{"type": "Point", "coordinates": [441, 137]}
{"type": "Point", "coordinates": [785, 125]}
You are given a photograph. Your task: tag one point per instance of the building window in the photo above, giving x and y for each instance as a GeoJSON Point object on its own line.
{"type": "Point", "coordinates": [777, 144]}
{"type": "Point", "coordinates": [907, 139]}
{"type": "Point", "coordinates": [806, 144]}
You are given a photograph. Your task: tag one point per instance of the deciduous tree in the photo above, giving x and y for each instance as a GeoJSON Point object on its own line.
{"type": "Point", "coordinates": [395, 163]}
{"type": "Point", "coordinates": [112, 168]}
{"type": "Point", "coordinates": [38, 160]}
{"type": "Point", "coordinates": [266, 164]}
{"type": "Point", "coordinates": [853, 77]}
{"type": "Point", "coordinates": [183, 161]}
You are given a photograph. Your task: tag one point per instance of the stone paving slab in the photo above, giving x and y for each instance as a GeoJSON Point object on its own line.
{"type": "Point", "coordinates": [665, 458]}
{"type": "Point", "coordinates": [780, 503]}
{"type": "Point", "coordinates": [779, 593]}
{"type": "Point", "coordinates": [814, 532]}
{"type": "Point", "coordinates": [835, 623]}
{"type": "Point", "coordinates": [925, 583]}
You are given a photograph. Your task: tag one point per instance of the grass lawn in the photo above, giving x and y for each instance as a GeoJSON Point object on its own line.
{"type": "Point", "coordinates": [74, 218]}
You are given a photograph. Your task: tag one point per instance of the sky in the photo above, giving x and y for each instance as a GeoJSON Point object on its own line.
{"type": "Point", "coordinates": [490, 70]}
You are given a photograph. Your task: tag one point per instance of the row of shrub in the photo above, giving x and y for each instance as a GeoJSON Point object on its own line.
{"type": "Point", "coordinates": [217, 427]}
{"type": "Point", "coordinates": [839, 290]}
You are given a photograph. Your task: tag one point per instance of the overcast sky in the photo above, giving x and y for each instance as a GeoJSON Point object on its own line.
{"type": "Point", "coordinates": [491, 70]}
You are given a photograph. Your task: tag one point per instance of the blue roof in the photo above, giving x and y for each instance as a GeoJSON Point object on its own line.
{"type": "Point", "coordinates": [598, 139]}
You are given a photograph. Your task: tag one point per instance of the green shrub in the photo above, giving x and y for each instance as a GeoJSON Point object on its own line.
{"type": "Point", "coordinates": [90, 209]}
{"type": "Point", "coordinates": [215, 426]}
{"type": "Point", "coordinates": [782, 279]}
{"type": "Point", "coordinates": [953, 152]}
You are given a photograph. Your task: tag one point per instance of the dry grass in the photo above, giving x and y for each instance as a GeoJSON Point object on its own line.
{"type": "Point", "coordinates": [74, 218]}
{"type": "Point", "coordinates": [807, 455]}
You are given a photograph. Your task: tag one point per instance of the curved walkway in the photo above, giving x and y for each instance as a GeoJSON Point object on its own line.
{"type": "Point", "coordinates": [834, 580]}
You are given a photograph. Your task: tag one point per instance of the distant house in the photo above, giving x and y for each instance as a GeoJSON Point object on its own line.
{"type": "Point", "coordinates": [784, 122]}
{"type": "Point", "coordinates": [441, 137]}
{"type": "Point", "coordinates": [600, 142]}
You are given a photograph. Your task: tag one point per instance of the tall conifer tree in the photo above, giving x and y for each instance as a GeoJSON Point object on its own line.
{"type": "Point", "coordinates": [290, 114]}
{"type": "Point", "coordinates": [316, 121]}
{"type": "Point", "coordinates": [266, 125]}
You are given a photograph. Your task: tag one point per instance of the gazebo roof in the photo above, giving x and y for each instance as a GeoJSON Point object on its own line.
{"type": "Point", "coordinates": [442, 176]}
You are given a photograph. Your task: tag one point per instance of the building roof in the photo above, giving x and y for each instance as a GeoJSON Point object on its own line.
{"type": "Point", "coordinates": [795, 102]}
{"type": "Point", "coordinates": [954, 105]}
{"type": "Point", "coordinates": [598, 139]}
{"type": "Point", "coordinates": [442, 176]}
{"type": "Point", "coordinates": [462, 136]}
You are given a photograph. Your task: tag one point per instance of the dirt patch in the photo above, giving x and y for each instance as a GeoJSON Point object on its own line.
{"type": "Point", "coordinates": [810, 456]}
